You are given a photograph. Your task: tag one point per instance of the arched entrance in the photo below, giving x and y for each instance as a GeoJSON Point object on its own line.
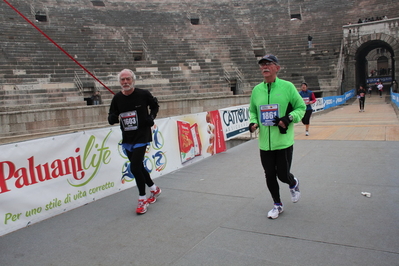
{"type": "Point", "coordinates": [374, 60]}
{"type": "Point", "coordinates": [370, 51]}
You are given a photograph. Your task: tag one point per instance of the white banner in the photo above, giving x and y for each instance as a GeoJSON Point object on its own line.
{"type": "Point", "coordinates": [44, 177]}
{"type": "Point", "coordinates": [235, 120]}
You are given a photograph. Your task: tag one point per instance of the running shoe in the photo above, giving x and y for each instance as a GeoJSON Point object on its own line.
{"type": "Point", "coordinates": [142, 207]}
{"type": "Point", "coordinates": [307, 133]}
{"type": "Point", "coordinates": [154, 195]}
{"type": "Point", "coordinates": [295, 193]}
{"type": "Point", "coordinates": [274, 213]}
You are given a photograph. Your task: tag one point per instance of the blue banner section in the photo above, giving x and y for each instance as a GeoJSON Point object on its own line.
{"type": "Point", "coordinates": [395, 98]}
{"type": "Point", "coordinates": [236, 132]}
{"type": "Point", "coordinates": [333, 101]}
{"type": "Point", "coordinates": [382, 79]}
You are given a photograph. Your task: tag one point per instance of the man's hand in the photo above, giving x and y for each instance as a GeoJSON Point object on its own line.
{"type": "Point", "coordinates": [113, 119]}
{"type": "Point", "coordinates": [276, 121]}
{"type": "Point", "coordinates": [284, 122]}
{"type": "Point", "coordinates": [252, 127]}
{"type": "Point", "coordinates": [150, 120]}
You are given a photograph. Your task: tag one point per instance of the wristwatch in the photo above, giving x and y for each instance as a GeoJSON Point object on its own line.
{"type": "Point", "coordinates": [290, 118]}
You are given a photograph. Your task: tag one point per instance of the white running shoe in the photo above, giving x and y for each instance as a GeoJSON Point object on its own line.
{"type": "Point", "coordinates": [295, 193]}
{"type": "Point", "coordinates": [274, 213]}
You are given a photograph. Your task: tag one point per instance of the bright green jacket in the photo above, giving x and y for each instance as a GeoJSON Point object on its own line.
{"type": "Point", "coordinates": [281, 92]}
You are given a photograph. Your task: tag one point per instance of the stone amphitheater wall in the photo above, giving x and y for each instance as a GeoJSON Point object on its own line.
{"type": "Point", "coordinates": [190, 52]}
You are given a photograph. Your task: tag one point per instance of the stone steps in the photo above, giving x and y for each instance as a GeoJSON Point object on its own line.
{"type": "Point", "coordinates": [191, 58]}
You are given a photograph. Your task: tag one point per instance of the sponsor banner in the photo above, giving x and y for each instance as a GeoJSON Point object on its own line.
{"type": "Point", "coordinates": [206, 133]}
{"type": "Point", "coordinates": [333, 101]}
{"type": "Point", "coordinates": [186, 141]}
{"type": "Point", "coordinates": [329, 102]}
{"type": "Point", "coordinates": [382, 79]}
{"type": "Point", "coordinates": [318, 105]}
{"type": "Point", "coordinates": [45, 177]}
{"type": "Point", "coordinates": [235, 120]}
{"type": "Point", "coordinates": [213, 121]}
{"type": "Point", "coordinates": [395, 98]}
{"type": "Point", "coordinates": [349, 94]}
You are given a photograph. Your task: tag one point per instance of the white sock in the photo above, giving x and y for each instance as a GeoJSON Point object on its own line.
{"type": "Point", "coordinates": [153, 187]}
{"type": "Point", "coordinates": [143, 197]}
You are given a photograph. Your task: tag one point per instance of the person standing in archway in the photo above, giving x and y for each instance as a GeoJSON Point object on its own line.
{"type": "Point", "coordinates": [380, 87]}
{"type": "Point", "coordinates": [394, 86]}
{"type": "Point", "coordinates": [361, 95]}
{"type": "Point", "coordinates": [370, 89]}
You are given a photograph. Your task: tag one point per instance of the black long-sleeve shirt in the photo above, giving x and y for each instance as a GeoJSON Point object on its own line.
{"type": "Point", "coordinates": [139, 103]}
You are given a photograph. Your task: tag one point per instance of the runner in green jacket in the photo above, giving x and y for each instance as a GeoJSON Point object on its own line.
{"type": "Point", "coordinates": [274, 107]}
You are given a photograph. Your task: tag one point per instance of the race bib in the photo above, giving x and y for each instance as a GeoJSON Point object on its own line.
{"type": "Point", "coordinates": [129, 120]}
{"type": "Point", "coordinates": [306, 100]}
{"type": "Point", "coordinates": [267, 114]}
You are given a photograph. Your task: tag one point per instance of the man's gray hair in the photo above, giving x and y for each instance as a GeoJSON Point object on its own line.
{"type": "Point", "coordinates": [127, 70]}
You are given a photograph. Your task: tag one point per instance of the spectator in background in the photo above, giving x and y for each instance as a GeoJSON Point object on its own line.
{"type": "Point", "coordinates": [394, 86]}
{"type": "Point", "coordinates": [370, 89]}
{"type": "Point", "coordinates": [310, 38]}
{"type": "Point", "coordinates": [380, 87]}
{"type": "Point", "coordinates": [361, 95]}
{"type": "Point", "coordinates": [96, 98]}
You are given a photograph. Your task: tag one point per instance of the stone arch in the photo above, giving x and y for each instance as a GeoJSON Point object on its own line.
{"type": "Point", "coordinates": [366, 43]}
{"type": "Point", "coordinates": [391, 41]}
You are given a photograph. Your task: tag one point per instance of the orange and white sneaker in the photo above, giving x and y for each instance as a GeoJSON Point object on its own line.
{"type": "Point", "coordinates": [142, 207]}
{"type": "Point", "coordinates": [154, 195]}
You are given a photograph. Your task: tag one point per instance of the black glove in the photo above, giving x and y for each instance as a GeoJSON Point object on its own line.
{"type": "Point", "coordinates": [150, 120]}
{"type": "Point", "coordinates": [113, 119]}
{"type": "Point", "coordinates": [286, 121]}
{"type": "Point", "coordinates": [250, 127]}
{"type": "Point", "coordinates": [276, 120]}
{"type": "Point", "coordinates": [282, 130]}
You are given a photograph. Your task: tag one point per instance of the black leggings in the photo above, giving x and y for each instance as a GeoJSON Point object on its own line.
{"type": "Point", "coordinates": [361, 102]}
{"type": "Point", "coordinates": [141, 175]}
{"type": "Point", "coordinates": [277, 164]}
{"type": "Point", "coordinates": [306, 117]}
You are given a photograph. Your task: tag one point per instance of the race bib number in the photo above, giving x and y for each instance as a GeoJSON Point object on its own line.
{"type": "Point", "coordinates": [129, 120]}
{"type": "Point", "coordinates": [267, 114]}
{"type": "Point", "coordinates": [306, 100]}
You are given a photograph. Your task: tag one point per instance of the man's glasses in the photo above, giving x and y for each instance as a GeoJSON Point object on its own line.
{"type": "Point", "coordinates": [127, 79]}
{"type": "Point", "coordinates": [266, 63]}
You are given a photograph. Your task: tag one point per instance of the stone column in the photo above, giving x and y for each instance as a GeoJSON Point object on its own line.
{"type": "Point", "coordinates": [350, 72]}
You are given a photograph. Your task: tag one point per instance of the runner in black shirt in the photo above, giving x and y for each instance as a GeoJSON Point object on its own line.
{"type": "Point", "coordinates": [130, 107]}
